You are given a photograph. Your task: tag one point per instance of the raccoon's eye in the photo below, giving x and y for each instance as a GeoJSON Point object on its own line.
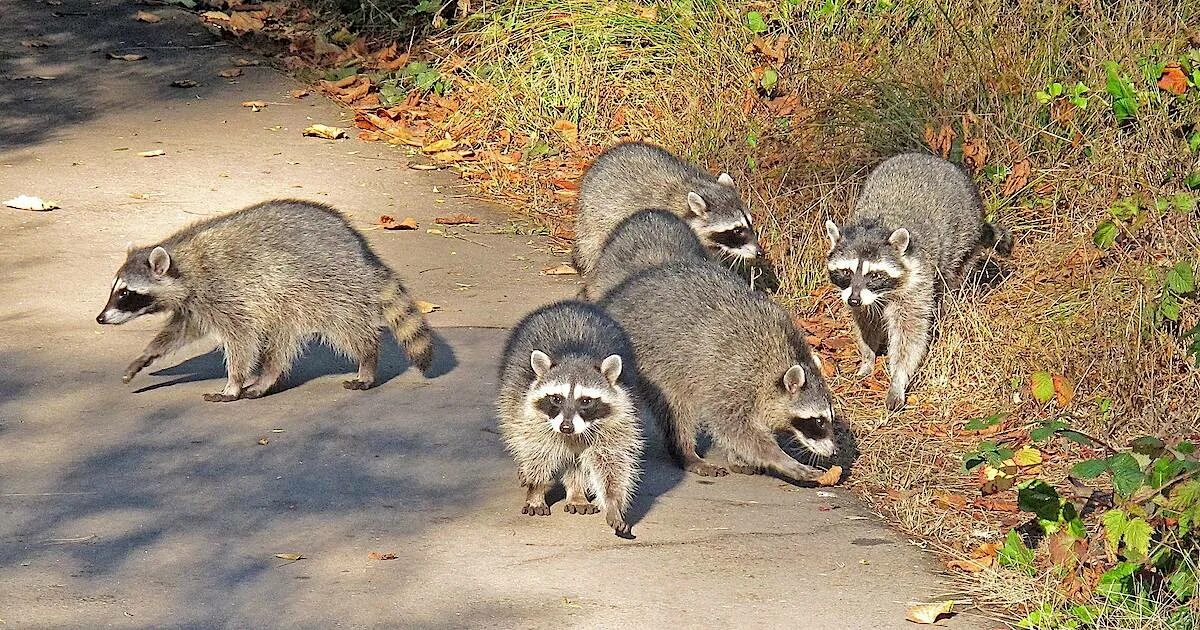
{"type": "Point", "coordinates": [556, 399]}
{"type": "Point", "coordinates": [586, 403]}
{"type": "Point", "coordinates": [739, 232]}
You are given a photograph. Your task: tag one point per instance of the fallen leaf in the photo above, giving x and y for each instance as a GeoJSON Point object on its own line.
{"type": "Point", "coordinates": [126, 57]}
{"type": "Point", "coordinates": [457, 219]}
{"type": "Point", "coordinates": [424, 167]}
{"type": "Point", "coordinates": [974, 565]}
{"type": "Point", "coordinates": [1173, 79]}
{"type": "Point", "coordinates": [439, 146]}
{"type": "Point", "coordinates": [1064, 391]}
{"type": "Point", "coordinates": [1042, 386]}
{"type": "Point", "coordinates": [147, 17]}
{"type": "Point", "coordinates": [184, 83]}
{"type": "Point", "coordinates": [427, 307]}
{"type": "Point", "coordinates": [1027, 456]}
{"type": "Point", "coordinates": [242, 62]}
{"type": "Point", "coordinates": [324, 131]}
{"type": "Point", "coordinates": [929, 613]}
{"type": "Point", "coordinates": [388, 223]}
{"type": "Point", "coordinates": [254, 104]}
{"type": "Point", "coordinates": [1017, 178]}
{"type": "Point", "coordinates": [940, 141]}
{"type": "Point", "coordinates": [996, 505]}
{"type": "Point", "coordinates": [25, 202]}
{"type": "Point", "coordinates": [215, 16]}
{"type": "Point", "coordinates": [263, 441]}
{"type": "Point", "coordinates": [375, 555]}
{"type": "Point", "coordinates": [975, 153]}
{"type": "Point", "coordinates": [152, 153]}
{"type": "Point", "coordinates": [298, 93]}
{"type": "Point", "coordinates": [568, 129]}
{"type": "Point", "coordinates": [563, 269]}
{"type": "Point", "coordinates": [949, 500]}
{"type": "Point", "coordinates": [831, 476]}
{"type": "Point", "coordinates": [230, 73]}
{"type": "Point", "coordinates": [290, 556]}
{"type": "Point", "coordinates": [244, 21]}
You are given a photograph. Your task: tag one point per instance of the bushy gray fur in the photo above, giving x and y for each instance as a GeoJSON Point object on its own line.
{"type": "Point", "coordinates": [635, 176]}
{"type": "Point", "coordinates": [263, 280]}
{"type": "Point", "coordinates": [917, 224]}
{"type": "Point", "coordinates": [646, 239]}
{"type": "Point", "coordinates": [713, 355]}
{"type": "Point", "coordinates": [598, 452]}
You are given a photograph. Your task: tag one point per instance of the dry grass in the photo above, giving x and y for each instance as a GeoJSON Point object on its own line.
{"type": "Point", "coordinates": [858, 81]}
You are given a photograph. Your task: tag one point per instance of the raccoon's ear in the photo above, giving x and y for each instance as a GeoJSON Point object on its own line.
{"type": "Point", "coordinates": [834, 233]}
{"type": "Point", "coordinates": [130, 247]}
{"type": "Point", "coordinates": [725, 180]}
{"type": "Point", "coordinates": [611, 368]}
{"type": "Point", "coordinates": [793, 379]}
{"type": "Point", "coordinates": [697, 205]}
{"type": "Point", "coordinates": [899, 240]}
{"type": "Point", "coordinates": [160, 261]}
{"type": "Point", "coordinates": [540, 362]}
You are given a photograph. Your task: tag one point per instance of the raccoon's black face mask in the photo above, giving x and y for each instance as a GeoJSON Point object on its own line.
{"type": "Point", "coordinates": [131, 295]}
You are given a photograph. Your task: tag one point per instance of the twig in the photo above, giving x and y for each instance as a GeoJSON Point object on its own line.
{"type": "Point", "coordinates": [1184, 476]}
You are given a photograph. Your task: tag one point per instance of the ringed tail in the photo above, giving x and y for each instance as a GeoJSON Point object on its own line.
{"type": "Point", "coordinates": [408, 324]}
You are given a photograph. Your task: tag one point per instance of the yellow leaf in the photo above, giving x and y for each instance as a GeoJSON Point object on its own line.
{"type": "Point", "coordinates": [427, 307]}
{"type": "Point", "coordinates": [929, 613]}
{"type": "Point", "coordinates": [290, 556]}
{"type": "Point", "coordinates": [439, 146]}
{"type": "Point", "coordinates": [324, 131]}
{"type": "Point", "coordinates": [1027, 456]}
{"type": "Point", "coordinates": [831, 476]}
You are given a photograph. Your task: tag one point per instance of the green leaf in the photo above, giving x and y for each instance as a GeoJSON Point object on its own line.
{"type": "Point", "coordinates": [1047, 430]}
{"type": "Point", "coordinates": [1014, 553]}
{"type": "Point", "coordinates": [1187, 448]}
{"type": "Point", "coordinates": [1127, 475]}
{"type": "Point", "coordinates": [1116, 584]}
{"type": "Point", "coordinates": [1125, 209]}
{"type": "Point", "coordinates": [1147, 445]}
{"type": "Point", "coordinates": [1124, 102]}
{"type": "Point", "coordinates": [1164, 469]}
{"type": "Point", "coordinates": [1137, 538]}
{"type": "Point", "coordinates": [1105, 234]}
{"type": "Point", "coordinates": [769, 78]}
{"type": "Point", "coordinates": [1192, 181]}
{"type": "Point", "coordinates": [979, 424]}
{"type": "Point", "coordinates": [1089, 468]}
{"type": "Point", "coordinates": [1043, 386]}
{"type": "Point", "coordinates": [1183, 583]}
{"type": "Point", "coordinates": [1056, 89]}
{"type": "Point", "coordinates": [755, 22]}
{"type": "Point", "coordinates": [1184, 203]}
{"type": "Point", "coordinates": [1077, 437]}
{"type": "Point", "coordinates": [1041, 498]}
{"type": "Point", "coordinates": [1169, 306]}
{"type": "Point", "coordinates": [1086, 614]}
{"type": "Point", "coordinates": [1180, 279]}
{"type": "Point", "coordinates": [1115, 522]}
{"type": "Point", "coordinates": [1194, 142]}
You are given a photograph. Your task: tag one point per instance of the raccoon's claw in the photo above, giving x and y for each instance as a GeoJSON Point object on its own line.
{"type": "Point", "coordinates": [705, 469]}
{"type": "Point", "coordinates": [254, 393]}
{"type": "Point", "coordinates": [356, 384]}
{"type": "Point", "coordinates": [128, 377]}
{"type": "Point", "coordinates": [744, 470]}
{"type": "Point", "coordinates": [220, 398]}
{"type": "Point", "coordinates": [536, 510]}
{"type": "Point", "coordinates": [581, 508]}
{"type": "Point", "coordinates": [895, 401]}
{"type": "Point", "coordinates": [865, 369]}
{"type": "Point", "coordinates": [621, 528]}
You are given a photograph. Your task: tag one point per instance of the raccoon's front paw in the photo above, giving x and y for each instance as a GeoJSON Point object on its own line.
{"type": "Point", "coordinates": [581, 508]}
{"type": "Point", "coordinates": [133, 370]}
{"type": "Point", "coordinates": [620, 527]}
{"type": "Point", "coordinates": [705, 469]}
{"type": "Point", "coordinates": [357, 384]}
{"type": "Point", "coordinates": [744, 470]}
{"type": "Point", "coordinates": [865, 368]}
{"type": "Point", "coordinates": [219, 397]}
{"type": "Point", "coordinates": [895, 400]}
{"type": "Point", "coordinates": [255, 392]}
{"type": "Point", "coordinates": [531, 509]}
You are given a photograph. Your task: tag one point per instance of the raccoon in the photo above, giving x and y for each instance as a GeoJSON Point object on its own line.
{"type": "Point", "coordinates": [917, 224]}
{"type": "Point", "coordinates": [568, 403]}
{"type": "Point", "coordinates": [645, 239]}
{"type": "Point", "coordinates": [263, 279]}
{"type": "Point", "coordinates": [713, 355]}
{"type": "Point", "coordinates": [633, 176]}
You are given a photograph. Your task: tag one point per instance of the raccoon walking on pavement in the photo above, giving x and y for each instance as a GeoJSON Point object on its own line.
{"type": "Point", "coordinates": [567, 404]}
{"type": "Point", "coordinates": [715, 356]}
{"type": "Point", "coordinates": [263, 280]}
{"type": "Point", "coordinates": [644, 240]}
{"type": "Point", "coordinates": [917, 224]}
{"type": "Point", "coordinates": [634, 176]}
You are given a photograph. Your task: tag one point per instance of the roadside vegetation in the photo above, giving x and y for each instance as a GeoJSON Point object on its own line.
{"type": "Point", "coordinates": [1049, 447]}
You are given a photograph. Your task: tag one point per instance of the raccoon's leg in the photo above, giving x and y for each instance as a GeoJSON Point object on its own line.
{"type": "Point", "coordinates": [908, 340]}
{"type": "Point", "coordinates": [575, 480]}
{"type": "Point", "coordinates": [240, 357]}
{"type": "Point", "coordinates": [679, 426]}
{"type": "Point", "coordinates": [747, 443]}
{"type": "Point", "coordinates": [172, 337]}
{"type": "Point", "coordinates": [613, 477]}
{"type": "Point", "coordinates": [367, 353]}
{"type": "Point", "coordinates": [277, 358]}
{"type": "Point", "coordinates": [865, 352]}
{"type": "Point", "coordinates": [740, 467]}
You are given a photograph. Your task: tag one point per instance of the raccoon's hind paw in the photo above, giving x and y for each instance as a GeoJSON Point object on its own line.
{"type": "Point", "coordinates": [219, 397]}
{"type": "Point", "coordinates": [536, 510]}
{"type": "Point", "coordinates": [357, 384]}
{"type": "Point", "coordinates": [744, 470]}
{"type": "Point", "coordinates": [895, 401]}
{"type": "Point", "coordinates": [620, 527]}
{"type": "Point", "coordinates": [865, 369]}
{"type": "Point", "coordinates": [705, 469]}
{"type": "Point", "coordinates": [255, 392]}
{"type": "Point", "coordinates": [581, 508]}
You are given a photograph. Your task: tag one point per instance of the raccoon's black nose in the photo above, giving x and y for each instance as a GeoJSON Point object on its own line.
{"type": "Point", "coordinates": [566, 427]}
{"type": "Point", "coordinates": [100, 319]}
{"type": "Point", "coordinates": [854, 300]}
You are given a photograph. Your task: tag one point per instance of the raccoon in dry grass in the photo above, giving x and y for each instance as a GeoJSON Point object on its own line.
{"type": "Point", "coordinates": [635, 176]}
{"type": "Point", "coordinates": [715, 356]}
{"type": "Point", "coordinates": [567, 405]}
{"type": "Point", "coordinates": [263, 280]}
{"type": "Point", "coordinates": [917, 226]}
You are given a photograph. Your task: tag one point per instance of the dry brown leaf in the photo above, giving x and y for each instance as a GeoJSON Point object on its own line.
{"type": "Point", "coordinates": [215, 16]}
{"type": "Point", "coordinates": [457, 219]}
{"type": "Point", "coordinates": [563, 269]}
{"type": "Point", "coordinates": [1173, 79]}
{"type": "Point", "coordinates": [1084, 256]}
{"type": "Point", "coordinates": [1064, 391]}
{"type": "Point", "coordinates": [324, 131]}
{"type": "Point", "coordinates": [389, 223]}
{"type": "Point", "coordinates": [975, 153]}
{"type": "Point", "coordinates": [290, 556]}
{"type": "Point", "coordinates": [427, 307]}
{"type": "Point", "coordinates": [831, 476]}
{"type": "Point", "coordinates": [996, 505]}
{"type": "Point", "coordinates": [948, 500]}
{"type": "Point", "coordinates": [974, 565]}
{"type": "Point", "coordinates": [255, 104]}
{"type": "Point", "coordinates": [424, 167]}
{"type": "Point", "coordinates": [242, 62]}
{"type": "Point", "coordinates": [126, 57]}
{"type": "Point", "coordinates": [375, 555]}
{"type": "Point", "coordinates": [929, 613]}
{"type": "Point", "coordinates": [568, 129]}
{"type": "Point", "coordinates": [231, 73]}
{"type": "Point", "coordinates": [299, 93]}
{"type": "Point", "coordinates": [147, 17]}
{"type": "Point", "coordinates": [152, 153]}
{"type": "Point", "coordinates": [243, 21]}
{"type": "Point", "coordinates": [1017, 179]}
{"type": "Point", "coordinates": [941, 141]}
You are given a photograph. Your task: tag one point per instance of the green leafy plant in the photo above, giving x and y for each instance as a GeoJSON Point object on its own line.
{"type": "Point", "coordinates": [1076, 94]}
{"type": "Point", "coordinates": [1125, 214]}
{"type": "Point", "coordinates": [1124, 101]}
{"type": "Point", "coordinates": [988, 452]}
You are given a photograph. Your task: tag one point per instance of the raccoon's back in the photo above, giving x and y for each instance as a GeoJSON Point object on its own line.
{"type": "Point", "coordinates": [935, 200]}
{"type": "Point", "coordinates": [281, 259]}
{"type": "Point", "coordinates": [566, 327]}
{"type": "Point", "coordinates": [644, 240]}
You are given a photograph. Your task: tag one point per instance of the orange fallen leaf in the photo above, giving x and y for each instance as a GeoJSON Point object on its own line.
{"type": "Point", "coordinates": [230, 73]}
{"type": "Point", "coordinates": [929, 613]}
{"type": "Point", "coordinates": [254, 104]}
{"type": "Point", "coordinates": [456, 219]}
{"type": "Point", "coordinates": [388, 223]}
{"type": "Point", "coordinates": [1064, 391]}
{"type": "Point", "coordinates": [949, 500]}
{"type": "Point", "coordinates": [427, 307]}
{"type": "Point", "coordinates": [974, 565]}
{"type": "Point", "coordinates": [996, 505]}
{"type": "Point", "coordinates": [243, 21]}
{"type": "Point", "coordinates": [975, 153]}
{"type": "Point", "coordinates": [568, 129]}
{"type": "Point", "coordinates": [1017, 179]}
{"type": "Point", "coordinates": [215, 16]}
{"type": "Point", "coordinates": [375, 555]}
{"type": "Point", "coordinates": [147, 17]}
{"type": "Point", "coordinates": [300, 93]}
{"type": "Point", "coordinates": [831, 476]}
{"type": "Point", "coordinates": [1173, 79]}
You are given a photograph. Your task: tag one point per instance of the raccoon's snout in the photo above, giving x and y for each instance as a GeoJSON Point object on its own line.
{"type": "Point", "coordinates": [566, 427]}
{"type": "Point", "coordinates": [854, 300]}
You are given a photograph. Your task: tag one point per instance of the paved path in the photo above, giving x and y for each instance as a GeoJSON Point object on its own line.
{"type": "Point", "coordinates": [142, 506]}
